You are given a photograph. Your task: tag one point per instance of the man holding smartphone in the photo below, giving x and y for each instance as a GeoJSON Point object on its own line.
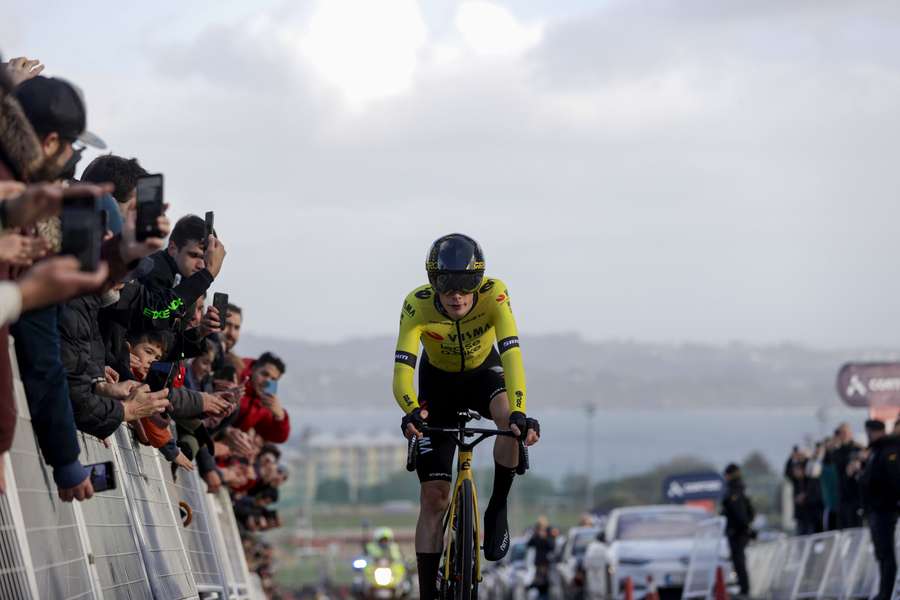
{"type": "Point", "coordinates": [260, 408]}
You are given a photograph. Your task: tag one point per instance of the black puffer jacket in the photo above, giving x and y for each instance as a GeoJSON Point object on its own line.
{"type": "Point", "coordinates": [83, 356]}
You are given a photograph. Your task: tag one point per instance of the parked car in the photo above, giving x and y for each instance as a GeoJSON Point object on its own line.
{"type": "Point", "coordinates": [567, 571]}
{"type": "Point", "coordinates": [514, 573]}
{"type": "Point", "coordinates": [638, 542]}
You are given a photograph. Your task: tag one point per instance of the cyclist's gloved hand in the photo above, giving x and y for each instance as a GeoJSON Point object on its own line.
{"type": "Point", "coordinates": [527, 429]}
{"type": "Point", "coordinates": [413, 421]}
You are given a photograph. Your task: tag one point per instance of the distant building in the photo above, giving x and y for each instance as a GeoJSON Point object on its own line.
{"type": "Point", "coordinates": [362, 460]}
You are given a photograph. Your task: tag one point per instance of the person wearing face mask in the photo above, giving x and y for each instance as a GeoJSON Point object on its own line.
{"type": "Point", "coordinates": [458, 317]}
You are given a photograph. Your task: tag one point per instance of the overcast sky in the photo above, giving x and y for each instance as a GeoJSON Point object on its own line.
{"type": "Point", "coordinates": [667, 171]}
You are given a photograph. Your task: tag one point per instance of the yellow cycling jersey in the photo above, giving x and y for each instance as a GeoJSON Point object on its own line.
{"type": "Point", "coordinates": [457, 346]}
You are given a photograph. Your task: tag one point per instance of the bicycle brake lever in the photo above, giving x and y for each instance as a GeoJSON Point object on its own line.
{"type": "Point", "coordinates": [523, 459]}
{"type": "Point", "coordinates": [412, 451]}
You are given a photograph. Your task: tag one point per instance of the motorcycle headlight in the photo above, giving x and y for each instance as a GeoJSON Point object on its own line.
{"type": "Point", "coordinates": [383, 576]}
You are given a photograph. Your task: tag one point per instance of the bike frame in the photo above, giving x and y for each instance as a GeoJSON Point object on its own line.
{"type": "Point", "coordinates": [465, 455]}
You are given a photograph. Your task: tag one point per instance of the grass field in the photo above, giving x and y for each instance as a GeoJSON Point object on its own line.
{"type": "Point", "coordinates": [298, 566]}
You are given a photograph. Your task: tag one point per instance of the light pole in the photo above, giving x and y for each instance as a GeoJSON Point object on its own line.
{"type": "Point", "coordinates": [589, 410]}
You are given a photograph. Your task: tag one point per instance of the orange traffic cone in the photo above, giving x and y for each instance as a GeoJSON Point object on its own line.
{"type": "Point", "coordinates": [629, 589]}
{"type": "Point", "coordinates": [720, 592]}
{"type": "Point", "coordinates": [652, 593]}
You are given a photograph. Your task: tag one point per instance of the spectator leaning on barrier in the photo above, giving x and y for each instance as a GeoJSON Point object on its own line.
{"type": "Point", "coordinates": [231, 333]}
{"type": "Point", "coordinates": [176, 277]}
{"type": "Point", "coordinates": [880, 487]}
{"type": "Point", "coordinates": [57, 114]}
{"type": "Point", "coordinates": [739, 514]}
{"type": "Point", "coordinates": [261, 410]}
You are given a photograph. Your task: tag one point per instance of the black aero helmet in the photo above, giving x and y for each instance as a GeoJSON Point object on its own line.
{"type": "Point", "coordinates": [455, 263]}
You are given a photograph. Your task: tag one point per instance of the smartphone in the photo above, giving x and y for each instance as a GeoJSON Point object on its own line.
{"type": "Point", "coordinates": [103, 476]}
{"type": "Point", "coordinates": [210, 219]}
{"type": "Point", "coordinates": [82, 234]}
{"type": "Point", "coordinates": [220, 302]}
{"type": "Point", "coordinates": [160, 376]}
{"type": "Point", "coordinates": [271, 387]}
{"type": "Point", "coordinates": [149, 206]}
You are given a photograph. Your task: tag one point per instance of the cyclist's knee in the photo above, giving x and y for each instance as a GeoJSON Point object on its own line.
{"type": "Point", "coordinates": [500, 410]}
{"type": "Point", "coordinates": [435, 496]}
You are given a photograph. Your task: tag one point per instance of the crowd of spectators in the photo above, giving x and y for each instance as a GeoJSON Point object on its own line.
{"type": "Point", "coordinates": [134, 342]}
{"type": "Point", "coordinates": [840, 484]}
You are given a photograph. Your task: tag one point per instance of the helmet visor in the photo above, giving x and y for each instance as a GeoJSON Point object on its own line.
{"type": "Point", "coordinates": [466, 282]}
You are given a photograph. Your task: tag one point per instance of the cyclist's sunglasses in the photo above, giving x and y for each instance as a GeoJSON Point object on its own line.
{"type": "Point", "coordinates": [466, 282]}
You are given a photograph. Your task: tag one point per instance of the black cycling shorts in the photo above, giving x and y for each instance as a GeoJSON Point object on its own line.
{"type": "Point", "coordinates": [443, 394]}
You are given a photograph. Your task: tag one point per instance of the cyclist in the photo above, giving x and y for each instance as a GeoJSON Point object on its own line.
{"type": "Point", "coordinates": [457, 318]}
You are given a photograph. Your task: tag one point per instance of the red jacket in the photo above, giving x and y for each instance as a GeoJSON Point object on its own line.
{"type": "Point", "coordinates": [255, 415]}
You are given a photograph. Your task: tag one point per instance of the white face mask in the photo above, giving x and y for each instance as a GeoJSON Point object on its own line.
{"type": "Point", "coordinates": [109, 298]}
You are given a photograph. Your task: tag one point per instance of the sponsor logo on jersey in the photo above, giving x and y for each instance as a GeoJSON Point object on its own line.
{"type": "Point", "coordinates": [508, 344]}
{"type": "Point", "coordinates": [501, 298]}
{"type": "Point", "coordinates": [408, 309]}
{"type": "Point", "coordinates": [423, 294]}
{"type": "Point", "coordinates": [487, 286]}
{"type": "Point", "coordinates": [405, 358]}
{"type": "Point", "coordinates": [435, 336]}
{"type": "Point", "coordinates": [476, 332]}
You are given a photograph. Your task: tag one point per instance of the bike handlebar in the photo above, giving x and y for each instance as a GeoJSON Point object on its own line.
{"type": "Point", "coordinates": [413, 446]}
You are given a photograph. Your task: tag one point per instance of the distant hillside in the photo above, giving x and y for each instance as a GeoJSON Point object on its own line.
{"type": "Point", "coordinates": [567, 370]}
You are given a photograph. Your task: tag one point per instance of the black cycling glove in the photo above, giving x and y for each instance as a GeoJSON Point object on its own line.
{"type": "Point", "coordinates": [524, 423]}
{"type": "Point", "coordinates": [414, 417]}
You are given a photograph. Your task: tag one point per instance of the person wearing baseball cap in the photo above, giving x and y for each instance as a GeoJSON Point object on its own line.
{"type": "Point", "coordinates": [57, 112]}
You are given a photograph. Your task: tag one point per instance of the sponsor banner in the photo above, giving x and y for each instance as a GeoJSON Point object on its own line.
{"type": "Point", "coordinates": [865, 385]}
{"type": "Point", "coordinates": [694, 488]}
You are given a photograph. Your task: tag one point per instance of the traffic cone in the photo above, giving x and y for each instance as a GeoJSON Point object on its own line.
{"type": "Point", "coordinates": [629, 589]}
{"type": "Point", "coordinates": [652, 593]}
{"type": "Point", "coordinates": [720, 592]}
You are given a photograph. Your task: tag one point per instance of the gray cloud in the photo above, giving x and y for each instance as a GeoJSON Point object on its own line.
{"type": "Point", "coordinates": [663, 171]}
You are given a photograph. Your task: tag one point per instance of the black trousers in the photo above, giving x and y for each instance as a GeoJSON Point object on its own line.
{"type": "Point", "coordinates": [882, 526]}
{"type": "Point", "coordinates": [848, 516]}
{"type": "Point", "coordinates": [737, 544]}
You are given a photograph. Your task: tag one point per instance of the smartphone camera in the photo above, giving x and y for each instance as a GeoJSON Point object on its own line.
{"type": "Point", "coordinates": [149, 206]}
{"type": "Point", "coordinates": [82, 232]}
{"type": "Point", "coordinates": [102, 476]}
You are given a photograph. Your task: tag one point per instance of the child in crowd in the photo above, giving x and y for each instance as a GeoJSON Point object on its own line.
{"type": "Point", "coordinates": [145, 349]}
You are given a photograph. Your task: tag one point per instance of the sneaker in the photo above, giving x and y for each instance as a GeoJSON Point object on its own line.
{"type": "Point", "coordinates": [496, 533]}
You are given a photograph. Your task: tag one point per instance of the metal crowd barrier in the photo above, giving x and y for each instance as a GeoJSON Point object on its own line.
{"type": "Point", "coordinates": [836, 565]}
{"type": "Point", "coordinates": [705, 554]}
{"type": "Point", "coordinates": [127, 542]}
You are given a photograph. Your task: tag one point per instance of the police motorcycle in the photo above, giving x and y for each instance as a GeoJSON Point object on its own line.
{"type": "Point", "coordinates": [381, 572]}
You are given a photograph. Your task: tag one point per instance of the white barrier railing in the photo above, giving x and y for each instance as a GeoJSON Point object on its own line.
{"type": "Point", "coordinates": [127, 542]}
{"type": "Point", "coordinates": [836, 565]}
{"type": "Point", "coordinates": [704, 560]}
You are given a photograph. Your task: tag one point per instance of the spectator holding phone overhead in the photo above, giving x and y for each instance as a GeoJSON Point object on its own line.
{"type": "Point", "coordinates": [260, 408]}
{"type": "Point", "coordinates": [176, 277]}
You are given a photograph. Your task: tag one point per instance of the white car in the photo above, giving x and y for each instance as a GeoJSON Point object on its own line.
{"type": "Point", "coordinates": [514, 573]}
{"type": "Point", "coordinates": [638, 542]}
{"type": "Point", "coordinates": [567, 572]}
